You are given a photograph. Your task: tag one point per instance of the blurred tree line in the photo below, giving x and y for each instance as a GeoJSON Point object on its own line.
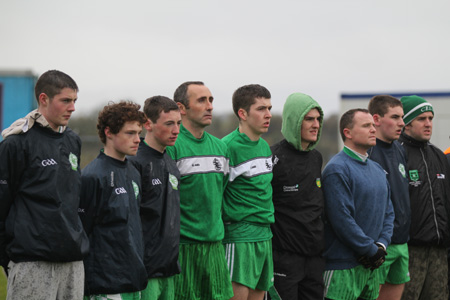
{"type": "Point", "coordinates": [86, 128]}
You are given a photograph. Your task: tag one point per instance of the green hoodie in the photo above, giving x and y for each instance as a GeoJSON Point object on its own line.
{"type": "Point", "coordinates": [295, 108]}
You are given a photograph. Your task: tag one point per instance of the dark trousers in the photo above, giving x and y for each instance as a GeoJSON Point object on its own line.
{"type": "Point", "coordinates": [297, 276]}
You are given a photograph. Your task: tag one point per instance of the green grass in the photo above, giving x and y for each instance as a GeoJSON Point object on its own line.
{"type": "Point", "coordinates": [2, 285]}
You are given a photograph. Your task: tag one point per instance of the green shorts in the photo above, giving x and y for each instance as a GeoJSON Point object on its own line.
{"type": "Point", "coordinates": [395, 268]}
{"type": "Point", "coordinates": [204, 273]}
{"type": "Point", "coordinates": [351, 284]}
{"type": "Point", "coordinates": [161, 288]}
{"type": "Point", "coordinates": [124, 296]}
{"type": "Point", "coordinates": [251, 264]}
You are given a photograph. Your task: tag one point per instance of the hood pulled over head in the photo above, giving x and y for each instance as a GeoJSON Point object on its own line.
{"type": "Point", "coordinates": [295, 108]}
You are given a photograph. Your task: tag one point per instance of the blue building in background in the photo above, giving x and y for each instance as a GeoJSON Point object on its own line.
{"type": "Point", "coordinates": [16, 95]}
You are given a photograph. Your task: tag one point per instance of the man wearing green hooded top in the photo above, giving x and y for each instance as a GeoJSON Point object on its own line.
{"type": "Point", "coordinates": [298, 233]}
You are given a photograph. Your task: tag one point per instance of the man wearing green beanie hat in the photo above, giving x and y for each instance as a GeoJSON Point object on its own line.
{"type": "Point", "coordinates": [413, 106]}
{"type": "Point", "coordinates": [429, 191]}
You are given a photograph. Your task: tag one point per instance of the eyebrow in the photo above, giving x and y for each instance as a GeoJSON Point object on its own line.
{"type": "Point", "coordinates": [206, 98]}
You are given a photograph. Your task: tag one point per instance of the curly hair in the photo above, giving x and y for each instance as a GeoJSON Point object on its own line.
{"type": "Point", "coordinates": [115, 115]}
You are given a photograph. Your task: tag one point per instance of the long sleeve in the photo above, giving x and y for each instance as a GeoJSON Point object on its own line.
{"type": "Point", "coordinates": [89, 198]}
{"type": "Point", "coordinates": [388, 225]}
{"type": "Point", "coordinates": [11, 166]}
{"type": "Point", "coordinates": [340, 211]}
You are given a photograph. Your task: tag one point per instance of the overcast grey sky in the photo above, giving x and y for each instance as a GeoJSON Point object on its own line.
{"type": "Point", "coordinates": [137, 49]}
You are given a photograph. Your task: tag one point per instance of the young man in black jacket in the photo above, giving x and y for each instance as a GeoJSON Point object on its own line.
{"type": "Point", "coordinates": [298, 231]}
{"type": "Point", "coordinates": [160, 205]}
{"type": "Point", "coordinates": [429, 191]}
{"type": "Point", "coordinates": [42, 242]}
{"type": "Point", "coordinates": [109, 208]}
{"type": "Point", "coordinates": [387, 113]}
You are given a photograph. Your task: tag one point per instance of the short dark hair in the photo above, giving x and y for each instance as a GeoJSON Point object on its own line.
{"type": "Point", "coordinates": [153, 107]}
{"type": "Point", "coordinates": [380, 104]}
{"type": "Point", "coordinates": [52, 82]}
{"type": "Point", "coordinates": [181, 95]}
{"type": "Point", "coordinates": [246, 95]}
{"type": "Point", "coordinates": [346, 120]}
{"type": "Point", "coordinates": [115, 115]}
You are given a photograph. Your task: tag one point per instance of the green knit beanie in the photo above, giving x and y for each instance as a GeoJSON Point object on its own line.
{"type": "Point", "coordinates": [414, 106]}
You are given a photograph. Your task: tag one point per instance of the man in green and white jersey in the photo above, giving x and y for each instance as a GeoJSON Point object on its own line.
{"type": "Point", "coordinates": [248, 208]}
{"type": "Point", "coordinates": [203, 164]}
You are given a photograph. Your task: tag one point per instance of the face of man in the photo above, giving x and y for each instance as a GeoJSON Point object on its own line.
{"type": "Point", "coordinates": [125, 142]}
{"type": "Point", "coordinates": [389, 126]}
{"type": "Point", "coordinates": [199, 113]}
{"type": "Point", "coordinates": [310, 127]}
{"type": "Point", "coordinates": [165, 130]}
{"type": "Point", "coordinates": [362, 136]}
{"type": "Point", "coordinates": [58, 110]}
{"type": "Point", "coordinates": [258, 117]}
{"type": "Point", "coordinates": [421, 127]}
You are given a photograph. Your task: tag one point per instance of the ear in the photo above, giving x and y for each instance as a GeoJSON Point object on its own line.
{"type": "Point", "coordinates": [377, 119]}
{"type": "Point", "coordinates": [347, 133]}
{"type": "Point", "coordinates": [43, 99]}
{"type": "Point", "coordinates": [108, 133]}
{"type": "Point", "coordinates": [407, 128]}
{"type": "Point", "coordinates": [148, 125]}
{"type": "Point", "coordinates": [242, 113]}
{"type": "Point", "coordinates": [182, 108]}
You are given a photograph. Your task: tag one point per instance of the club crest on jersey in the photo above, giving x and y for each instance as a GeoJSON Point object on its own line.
{"type": "Point", "coordinates": [135, 188]}
{"type": "Point", "coordinates": [414, 175]}
{"type": "Point", "coordinates": [401, 168]}
{"type": "Point", "coordinates": [73, 161]}
{"type": "Point", "coordinates": [217, 164]}
{"type": "Point", "coordinates": [318, 183]}
{"type": "Point", "coordinates": [173, 181]}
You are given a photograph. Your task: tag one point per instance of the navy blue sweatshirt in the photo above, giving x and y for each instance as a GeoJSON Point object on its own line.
{"type": "Point", "coordinates": [358, 210]}
{"type": "Point", "coordinates": [392, 158]}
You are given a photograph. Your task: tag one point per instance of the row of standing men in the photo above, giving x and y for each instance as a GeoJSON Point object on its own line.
{"type": "Point", "coordinates": [231, 218]}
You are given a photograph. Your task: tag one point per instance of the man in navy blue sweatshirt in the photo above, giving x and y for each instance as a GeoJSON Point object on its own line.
{"type": "Point", "coordinates": [358, 213]}
{"type": "Point", "coordinates": [387, 114]}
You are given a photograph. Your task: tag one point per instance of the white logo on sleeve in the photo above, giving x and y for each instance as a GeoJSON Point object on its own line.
{"type": "Point", "coordinates": [120, 190]}
{"type": "Point", "coordinates": [49, 162]}
{"type": "Point", "coordinates": [156, 181]}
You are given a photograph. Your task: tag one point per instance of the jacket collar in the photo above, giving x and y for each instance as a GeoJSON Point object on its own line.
{"type": "Point", "coordinates": [412, 142]}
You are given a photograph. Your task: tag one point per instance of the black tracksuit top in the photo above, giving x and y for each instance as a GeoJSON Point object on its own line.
{"type": "Point", "coordinates": [429, 192]}
{"type": "Point", "coordinates": [109, 210]}
{"type": "Point", "coordinates": [298, 200]}
{"type": "Point", "coordinates": [39, 197]}
{"type": "Point", "coordinates": [160, 210]}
